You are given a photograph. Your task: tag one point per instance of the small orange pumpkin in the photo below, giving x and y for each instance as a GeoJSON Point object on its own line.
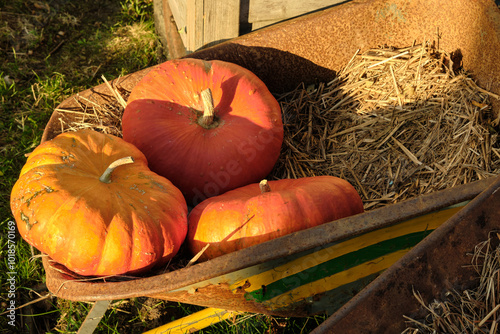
{"type": "Point", "coordinates": [261, 212]}
{"type": "Point", "coordinates": [93, 219]}
{"type": "Point", "coordinates": [207, 126]}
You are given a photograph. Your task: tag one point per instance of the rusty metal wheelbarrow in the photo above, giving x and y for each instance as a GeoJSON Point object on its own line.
{"type": "Point", "coordinates": [321, 269]}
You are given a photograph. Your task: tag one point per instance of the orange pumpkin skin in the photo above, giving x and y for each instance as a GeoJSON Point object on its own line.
{"type": "Point", "coordinates": [245, 217]}
{"type": "Point", "coordinates": [239, 148]}
{"type": "Point", "coordinates": [135, 222]}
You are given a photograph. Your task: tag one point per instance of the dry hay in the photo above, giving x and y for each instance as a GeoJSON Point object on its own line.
{"type": "Point", "coordinates": [103, 117]}
{"type": "Point", "coordinates": [474, 310]}
{"type": "Point", "coordinates": [395, 123]}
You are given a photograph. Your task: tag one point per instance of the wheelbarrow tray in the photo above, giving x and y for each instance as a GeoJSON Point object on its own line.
{"type": "Point", "coordinates": [319, 269]}
{"type": "Point", "coordinates": [309, 272]}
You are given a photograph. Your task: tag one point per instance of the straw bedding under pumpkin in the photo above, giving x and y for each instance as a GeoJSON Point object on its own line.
{"type": "Point", "coordinates": [396, 123]}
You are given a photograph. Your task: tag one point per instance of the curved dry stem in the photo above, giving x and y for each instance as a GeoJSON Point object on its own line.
{"type": "Point", "coordinates": [106, 176]}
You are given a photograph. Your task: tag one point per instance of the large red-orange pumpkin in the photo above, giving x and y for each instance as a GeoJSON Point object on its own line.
{"type": "Point", "coordinates": [95, 220]}
{"type": "Point", "coordinates": [207, 126]}
{"type": "Point", "coordinates": [256, 213]}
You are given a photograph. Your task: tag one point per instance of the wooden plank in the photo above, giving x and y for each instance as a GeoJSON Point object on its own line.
{"type": "Point", "coordinates": [172, 38]}
{"type": "Point", "coordinates": [277, 10]}
{"type": "Point", "coordinates": [195, 322]}
{"type": "Point", "coordinates": [94, 317]}
{"type": "Point", "coordinates": [222, 21]}
{"type": "Point", "coordinates": [179, 11]}
{"type": "Point", "coordinates": [204, 23]}
{"type": "Point", "coordinates": [262, 24]}
{"type": "Point", "coordinates": [194, 25]}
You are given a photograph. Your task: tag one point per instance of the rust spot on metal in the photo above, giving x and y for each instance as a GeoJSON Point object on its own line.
{"type": "Point", "coordinates": [219, 294]}
{"type": "Point", "coordinates": [242, 288]}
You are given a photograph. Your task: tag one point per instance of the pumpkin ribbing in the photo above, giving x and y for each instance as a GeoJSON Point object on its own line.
{"type": "Point", "coordinates": [62, 208]}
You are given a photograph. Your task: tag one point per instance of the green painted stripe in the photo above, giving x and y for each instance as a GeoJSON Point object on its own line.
{"type": "Point", "coordinates": [336, 265]}
{"type": "Point", "coordinates": [330, 301]}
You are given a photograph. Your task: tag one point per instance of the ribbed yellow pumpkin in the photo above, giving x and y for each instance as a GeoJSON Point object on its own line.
{"type": "Point", "coordinates": [93, 219]}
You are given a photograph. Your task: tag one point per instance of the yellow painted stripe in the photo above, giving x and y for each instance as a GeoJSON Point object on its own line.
{"type": "Point", "coordinates": [195, 321]}
{"type": "Point", "coordinates": [334, 281]}
{"type": "Point", "coordinates": [418, 224]}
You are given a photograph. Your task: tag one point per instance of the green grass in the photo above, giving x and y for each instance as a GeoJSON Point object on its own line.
{"type": "Point", "coordinates": [50, 51]}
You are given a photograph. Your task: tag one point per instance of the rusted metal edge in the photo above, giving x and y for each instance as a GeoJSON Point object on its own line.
{"type": "Point", "coordinates": [436, 265]}
{"type": "Point", "coordinates": [64, 286]}
{"type": "Point", "coordinates": [225, 298]}
{"type": "Point", "coordinates": [312, 47]}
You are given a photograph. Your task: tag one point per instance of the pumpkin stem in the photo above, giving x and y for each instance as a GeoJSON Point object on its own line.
{"type": "Point", "coordinates": [106, 176]}
{"type": "Point", "coordinates": [264, 187]}
{"type": "Point", "coordinates": [208, 111]}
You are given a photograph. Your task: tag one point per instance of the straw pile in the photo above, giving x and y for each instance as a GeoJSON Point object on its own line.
{"type": "Point", "coordinates": [395, 123]}
{"type": "Point", "coordinates": [471, 311]}
{"type": "Point", "coordinates": [105, 118]}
